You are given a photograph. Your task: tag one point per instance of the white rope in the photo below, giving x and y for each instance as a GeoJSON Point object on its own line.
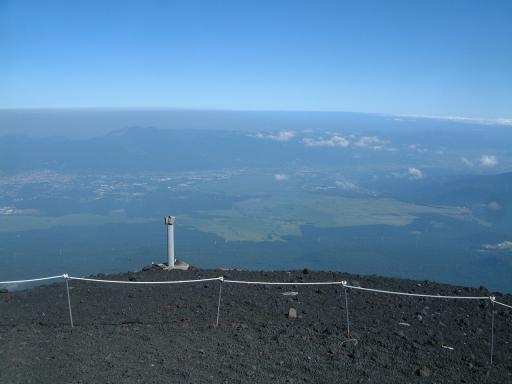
{"type": "Point", "coordinates": [343, 283]}
{"type": "Point", "coordinates": [283, 283]}
{"type": "Point", "coordinates": [417, 294]}
{"type": "Point", "coordinates": [144, 282]}
{"type": "Point", "coordinates": [505, 305]}
{"type": "Point", "coordinates": [32, 280]}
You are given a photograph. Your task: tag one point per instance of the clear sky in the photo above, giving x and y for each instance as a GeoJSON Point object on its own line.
{"type": "Point", "coordinates": [400, 57]}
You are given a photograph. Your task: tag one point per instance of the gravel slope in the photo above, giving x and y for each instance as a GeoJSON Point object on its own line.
{"type": "Point", "coordinates": [165, 334]}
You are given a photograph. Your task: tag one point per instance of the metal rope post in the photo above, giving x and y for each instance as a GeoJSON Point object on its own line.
{"type": "Point", "coordinates": [346, 308]}
{"type": "Point", "coordinates": [66, 277]}
{"type": "Point", "coordinates": [492, 298]}
{"type": "Point", "coordinates": [221, 279]}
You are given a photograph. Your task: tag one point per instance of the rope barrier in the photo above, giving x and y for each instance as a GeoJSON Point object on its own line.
{"type": "Point", "coordinates": [505, 305]}
{"type": "Point", "coordinates": [416, 294]}
{"type": "Point", "coordinates": [222, 281]}
{"type": "Point", "coordinates": [283, 283]}
{"type": "Point", "coordinates": [32, 280]}
{"type": "Point", "coordinates": [343, 283]}
{"type": "Point", "coordinates": [143, 282]}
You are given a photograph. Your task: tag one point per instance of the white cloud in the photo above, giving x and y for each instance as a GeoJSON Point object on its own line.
{"type": "Point", "coordinates": [345, 185]}
{"type": "Point", "coordinates": [500, 246]}
{"type": "Point", "coordinates": [494, 206]}
{"type": "Point", "coordinates": [334, 141]}
{"type": "Point", "coordinates": [415, 173]}
{"type": "Point", "coordinates": [279, 136]}
{"type": "Point", "coordinates": [466, 161]}
{"type": "Point", "coordinates": [488, 160]}
{"type": "Point", "coordinates": [371, 141]}
{"type": "Point", "coordinates": [375, 143]}
{"type": "Point", "coordinates": [417, 147]}
{"type": "Point", "coordinates": [280, 177]}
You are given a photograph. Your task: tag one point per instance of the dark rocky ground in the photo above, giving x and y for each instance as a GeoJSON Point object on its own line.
{"type": "Point", "coordinates": [165, 334]}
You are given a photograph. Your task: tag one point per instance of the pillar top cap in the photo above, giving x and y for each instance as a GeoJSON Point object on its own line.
{"type": "Point", "coordinates": [170, 220]}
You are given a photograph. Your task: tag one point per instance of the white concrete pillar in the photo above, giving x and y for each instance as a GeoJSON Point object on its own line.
{"type": "Point", "coordinates": [169, 221]}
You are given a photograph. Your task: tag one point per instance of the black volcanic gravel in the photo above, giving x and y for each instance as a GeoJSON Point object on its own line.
{"type": "Point", "coordinates": [166, 334]}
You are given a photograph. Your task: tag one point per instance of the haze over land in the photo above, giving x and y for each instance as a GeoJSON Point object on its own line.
{"type": "Point", "coordinates": [409, 197]}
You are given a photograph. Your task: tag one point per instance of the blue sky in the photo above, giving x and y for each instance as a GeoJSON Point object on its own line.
{"type": "Point", "coordinates": [431, 57]}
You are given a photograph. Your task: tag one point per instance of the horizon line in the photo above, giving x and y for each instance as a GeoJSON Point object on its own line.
{"type": "Point", "coordinates": [454, 118]}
